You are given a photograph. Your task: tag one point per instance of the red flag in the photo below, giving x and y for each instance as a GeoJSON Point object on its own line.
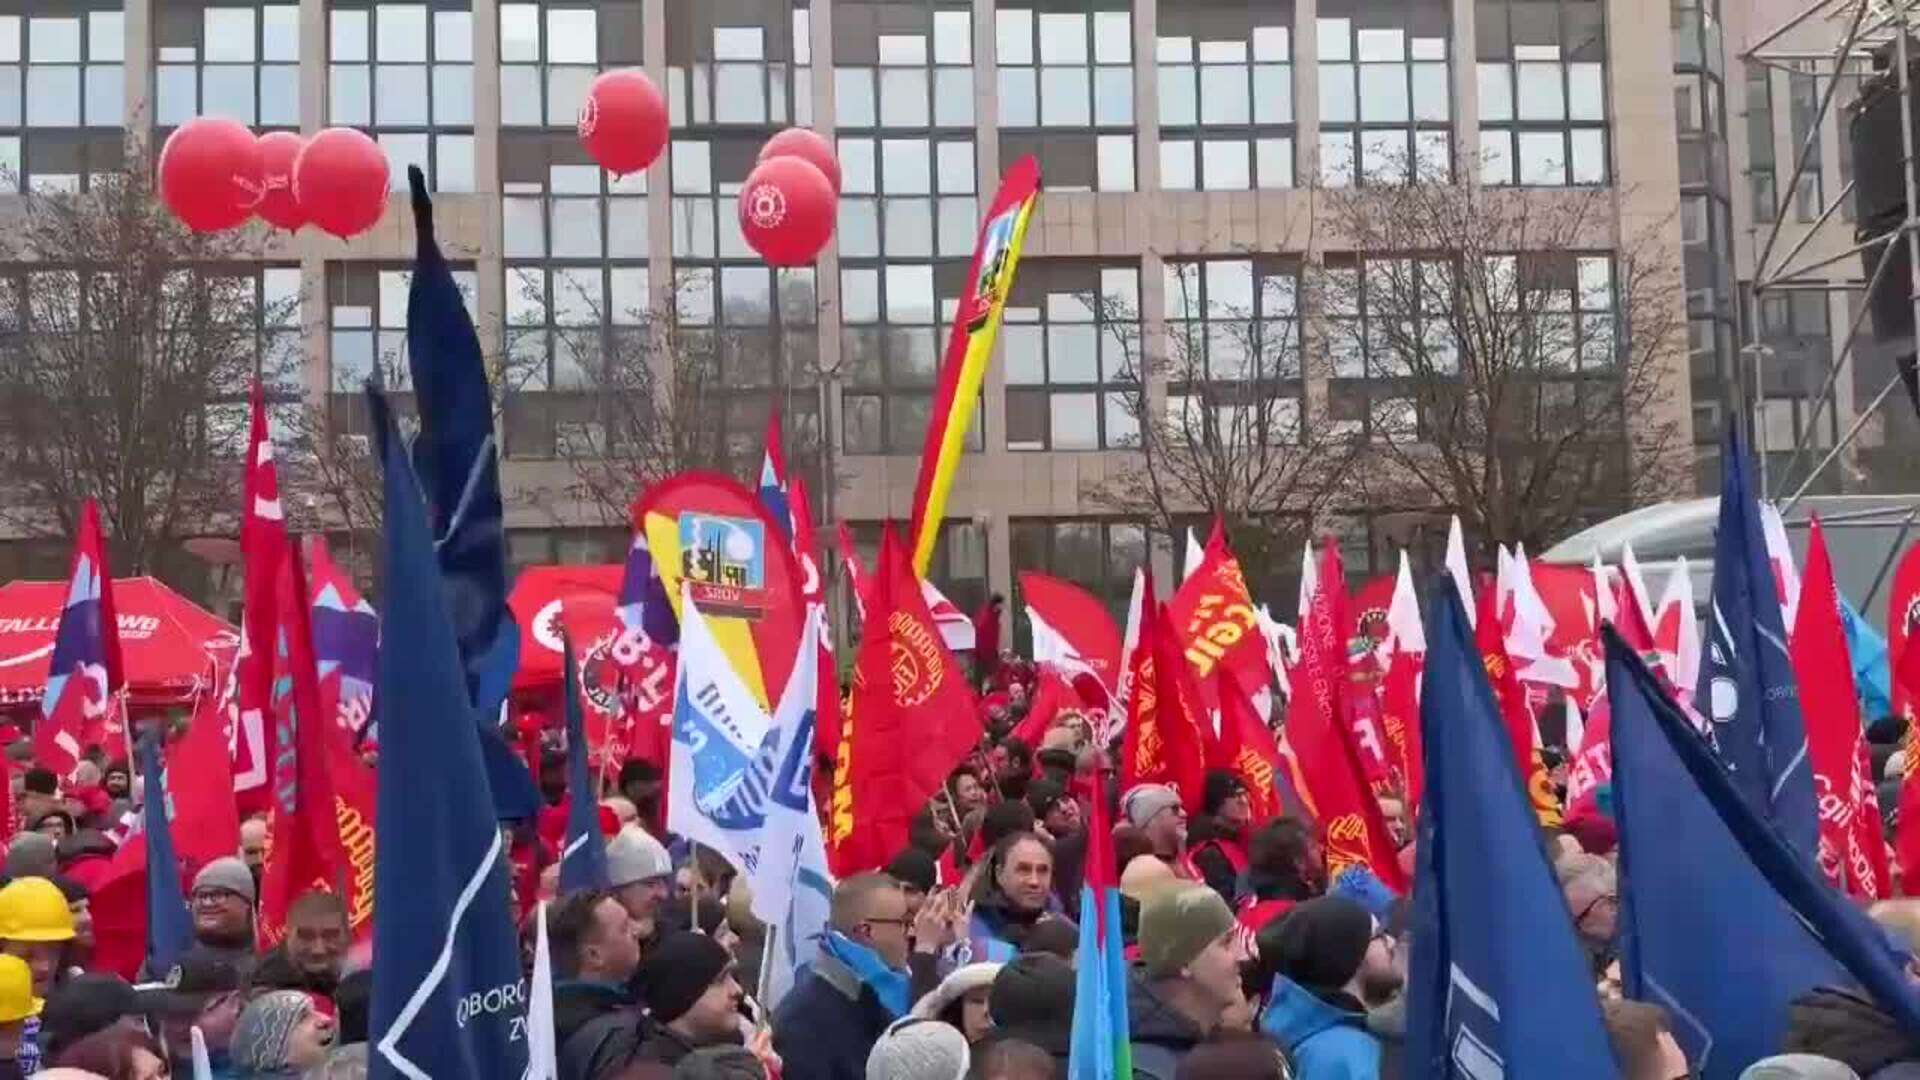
{"type": "Point", "coordinates": [1355, 833]}
{"type": "Point", "coordinates": [1903, 614]}
{"type": "Point", "coordinates": [1072, 629]}
{"type": "Point", "coordinates": [1215, 625]}
{"type": "Point", "coordinates": [1512, 699]}
{"type": "Point", "coordinates": [913, 718]}
{"type": "Point", "coordinates": [1400, 716]}
{"type": "Point", "coordinates": [1246, 749]}
{"type": "Point", "coordinates": [354, 791]}
{"type": "Point", "coordinates": [1051, 694]}
{"type": "Point", "coordinates": [1167, 733]}
{"type": "Point", "coordinates": [1906, 676]}
{"type": "Point", "coordinates": [200, 784]}
{"type": "Point", "coordinates": [813, 591]}
{"type": "Point", "coordinates": [84, 674]}
{"type": "Point", "coordinates": [1818, 646]}
{"type": "Point", "coordinates": [263, 547]}
{"type": "Point", "coordinates": [303, 845]}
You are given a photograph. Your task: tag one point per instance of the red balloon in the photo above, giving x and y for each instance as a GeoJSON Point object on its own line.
{"type": "Point", "coordinates": [278, 151]}
{"type": "Point", "coordinates": [210, 173]}
{"type": "Point", "coordinates": [623, 122]}
{"type": "Point", "coordinates": [809, 146]}
{"type": "Point", "coordinates": [786, 211]}
{"type": "Point", "coordinates": [340, 180]}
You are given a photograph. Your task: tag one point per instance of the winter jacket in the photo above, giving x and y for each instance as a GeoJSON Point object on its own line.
{"type": "Point", "coordinates": [1325, 1039]}
{"type": "Point", "coordinates": [998, 931]}
{"type": "Point", "coordinates": [827, 1024]}
{"type": "Point", "coordinates": [663, 1046]}
{"type": "Point", "coordinates": [1389, 1024]}
{"type": "Point", "coordinates": [1162, 1035]}
{"type": "Point", "coordinates": [1219, 854]}
{"type": "Point", "coordinates": [596, 1027]}
{"type": "Point", "coordinates": [1847, 1026]}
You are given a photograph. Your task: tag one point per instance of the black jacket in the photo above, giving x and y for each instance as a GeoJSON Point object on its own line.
{"type": "Point", "coordinates": [1161, 1034]}
{"type": "Point", "coordinates": [1848, 1027]}
{"type": "Point", "coordinates": [596, 1028]}
{"type": "Point", "coordinates": [827, 1024]}
{"type": "Point", "coordinates": [663, 1046]}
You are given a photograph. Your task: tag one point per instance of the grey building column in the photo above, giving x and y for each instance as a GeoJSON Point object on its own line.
{"type": "Point", "coordinates": [136, 63]}
{"type": "Point", "coordinates": [490, 297]}
{"type": "Point", "coordinates": [1306, 92]}
{"type": "Point", "coordinates": [1465, 106]}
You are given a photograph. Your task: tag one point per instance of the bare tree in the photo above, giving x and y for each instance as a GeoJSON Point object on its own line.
{"type": "Point", "coordinates": [126, 347]}
{"type": "Point", "coordinates": [1503, 354]}
{"type": "Point", "coordinates": [1233, 436]}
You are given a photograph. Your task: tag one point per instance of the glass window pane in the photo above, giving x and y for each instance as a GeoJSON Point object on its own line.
{"type": "Point", "coordinates": [860, 295]}
{"type": "Point", "coordinates": [1065, 97]}
{"type": "Point", "coordinates": [228, 35]}
{"type": "Point", "coordinates": [402, 95]}
{"type": "Point", "coordinates": [627, 228]}
{"type": "Point", "coordinates": [1335, 39]}
{"type": "Point", "coordinates": [1123, 423]}
{"type": "Point", "coordinates": [1073, 353]}
{"type": "Point", "coordinates": [53, 94]}
{"type": "Point", "coordinates": [576, 228]}
{"type": "Point", "coordinates": [1336, 158]}
{"type": "Point", "coordinates": [1178, 171]}
{"type": "Point", "coordinates": [953, 97]}
{"type": "Point", "coordinates": [1178, 100]}
{"type": "Point", "coordinates": [1272, 94]}
{"type": "Point", "coordinates": [227, 90]}
{"type": "Point", "coordinates": [1223, 94]}
{"type": "Point", "coordinates": [1496, 158]}
{"type": "Point", "coordinates": [740, 94]}
{"type": "Point", "coordinates": [1075, 421]}
{"type": "Point", "coordinates": [858, 228]}
{"type": "Point", "coordinates": [106, 94]}
{"type": "Point", "coordinates": [520, 95]}
{"type": "Point", "coordinates": [857, 170]}
{"type": "Point", "coordinates": [1337, 101]}
{"type": "Point", "coordinates": [1025, 354]}
{"type": "Point", "coordinates": [1432, 98]}
{"type": "Point", "coordinates": [1112, 37]}
{"type": "Point", "coordinates": [907, 167]}
{"type": "Point", "coordinates": [853, 96]}
{"type": "Point", "coordinates": [280, 33]}
{"type": "Point", "coordinates": [909, 227]}
{"type": "Point", "coordinates": [953, 37]}
{"type": "Point", "coordinates": [523, 222]}
{"type": "Point", "coordinates": [106, 37]}
{"type": "Point", "coordinates": [452, 37]}
{"type": "Point", "coordinates": [280, 94]}
{"type": "Point", "coordinates": [1113, 96]}
{"type": "Point", "coordinates": [404, 150]}
{"type": "Point", "coordinates": [174, 95]}
{"type": "Point", "coordinates": [1013, 36]}
{"type": "Point", "coordinates": [10, 39]}
{"type": "Point", "coordinates": [1383, 93]}
{"type": "Point", "coordinates": [349, 38]}
{"type": "Point", "coordinates": [519, 32]}
{"type": "Point", "coordinates": [1540, 94]}
{"type": "Point", "coordinates": [349, 94]}
{"type": "Point", "coordinates": [910, 296]}
{"type": "Point", "coordinates": [453, 162]}
{"type": "Point", "coordinates": [573, 36]}
{"type": "Point", "coordinates": [903, 97]}
{"type": "Point", "coordinates": [1274, 159]}
{"type": "Point", "coordinates": [566, 91]}
{"type": "Point", "coordinates": [401, 33]}
{"type": "Point", "coordinates": [1019, 96]}
{"type": "Point", "coordinates": [1586, 97]}
{"type": "Point", "coordinates": [1496, 91]}
{"type": "Point", "coordinates": [959, 221]}
{"type": "Point", "coordinates": [955, 174]}
{"type": "Point", "coordinates": [1589, 155]}
{"type": "Point", "coordinates": [1543, 157]}
{"type": "Point", "coordinates": [1114, 157]}
{"type": "Point", "coordinates": [453, 95]}
{"type": "Point", "coordinates": [53, 41]}
{"type": "Point", "coordinates": [1063, 38]}
{"type": "Point", "coordinates": [1225, 165]}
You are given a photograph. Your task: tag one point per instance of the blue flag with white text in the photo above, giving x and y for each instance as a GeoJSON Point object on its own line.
{"type": "Point", "coordinates": [1498, 984]}
{"type": "Point", "coordinates": [1747, 685]}
{"type": "Point", "coordinates": [169, 923]}
{"type": "Point", "coordinates": [1722, 923]}
{"type": "Point", "coordinates": [448, 998]}
{"type": "Point", "coordinates": [583, 857]}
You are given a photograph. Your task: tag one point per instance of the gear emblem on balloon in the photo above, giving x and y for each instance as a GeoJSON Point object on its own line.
{"type": "Point", "coordinates": [589, 117]}
{"type": "Point", "coordinates": [766, 206]}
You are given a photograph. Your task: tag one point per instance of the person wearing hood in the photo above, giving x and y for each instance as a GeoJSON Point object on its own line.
{"type": "Point", "coordinates": [281, 1034]}
{"type": "Point", "coordinates": [1012, 896]}
{"type": "Point", "coordinates": [595, 951]}
{"type": "Point", "coordinates": [1188, 976]}
{"type": "Point", "coordinates": [1218, 838]}
{"type": "Point", "coordinates": [693, 998]}
{"type": "Point", "coordinates": [826, 1026]}
{"type": "Point", "coordinates": [1031, 1001]}
{"type": "Point", "coordinates": [1329, 959]}
{"type": "Point", "coordinates": [961, 1000]}
{"type": "Point", "coordinates": [1284, 867]}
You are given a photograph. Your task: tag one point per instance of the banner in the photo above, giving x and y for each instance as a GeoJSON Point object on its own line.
{"type": "Point", "coordinates": [84, 677]}
{"type": "Point", "coordinates": [1168, 732]}
{"type": "Point", "coordinates": [1903, 615]}
{"type": "Point", "coordinates": [263, 544]}
{"type": "Point", "coordinates": [996, 255]}
{"type": "Point", "coordinates": [1215, 626]}
{"type": "Point", "coordinates": [711, 535]}
{"type": "Point", "coordinates": [346, 640]}
{"type": "Point", "coordinates": [1514, 711]}
{"type": "Point", "coordinates": [1246, 749]}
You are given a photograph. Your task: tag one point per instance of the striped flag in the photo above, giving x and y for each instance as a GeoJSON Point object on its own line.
{"type": "Point", "coordinates": [1101, 1047]}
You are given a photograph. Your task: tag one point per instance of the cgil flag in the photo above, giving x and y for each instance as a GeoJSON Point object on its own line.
{"type": "Point", "coordinates": [996, 255]}
{"type": "Point", "coordinates": [1746, 682]}
{"type": "Point", "coordinates": [1722, 922]}
{"type": "Point", "coordinates": [583, 857]}
{"type": "Point", "coordinates": [1498, 984]}
{"type": "Point", "coordinates": [1101, 1047]}
{"type": "Point", "coordinates": [263, 544]}
{"type": "Point", "coordinates": [1215, 625]}
{"type": "Point", "coordinates": [1168, 732]}
{"type": "Point", "coordinates": [448, 999]}
{"type": "Point", "coordinates": [84, 674]}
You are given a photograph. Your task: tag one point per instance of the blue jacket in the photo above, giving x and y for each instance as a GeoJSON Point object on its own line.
{"type": "Point", "coordinates": [827, 1024]}
{"type": "Point", "coordinates": [1324, 1041]}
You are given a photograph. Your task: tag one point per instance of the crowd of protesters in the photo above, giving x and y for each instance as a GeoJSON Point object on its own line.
{"type": "Point", "coordinates": [956, 961]}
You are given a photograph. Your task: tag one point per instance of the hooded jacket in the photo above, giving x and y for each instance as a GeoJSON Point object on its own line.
{"type": "Point", "coordinates": [1325, 1039]}
{"type": "Point", "coordinates": [1161, 1034]}
{"type": "Point", "coordinates": [1848, 1027]}
{"type": "Point", "coordinates": [596, 1027]}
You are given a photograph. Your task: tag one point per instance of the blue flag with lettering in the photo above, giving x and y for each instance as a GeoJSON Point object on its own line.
{"type": "Point", "coordinates": [448, 999]}
{"type": "Point", "coordinates": [1721, 921]}
{"type": "Point", "coordinates": [1498, 984]}
{"type": "Point", "coordinates": [583, 857]}
{"type": "Point", "coordinates": [1746, 678]}
{"type": "Point", "coordinates": [460, 478]}
{"type": "Point", "coordinates": [169, 923]}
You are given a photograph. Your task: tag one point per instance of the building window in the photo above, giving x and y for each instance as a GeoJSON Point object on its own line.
{"type": "Point", "coordinates": [550, 53]}
{"type": "Point", "coordinates": [1226, 96]}
{"type": "Point", "coordinates": [1071, 346]}
{"type": "Point", "coordinates": [1371, 313]}
{"type": "Point", "coordinates": [1803, 113]}
{"type": "Point", "coordinates": [1542, 80]}
{"type": "Point", "coordinates": [227, 58]}
{"type": "Point", "coordinates": [758, 328]}
{"type": "Point", "coordinates": [1100, 556]}
{"type": "Point", "coordinates": [1762, 180]}
{"type": "Point", "coordinates": [1797, 353]}
{"type": "Point", "coordinates": [1385, 113]}
{"type": "Point", "coordinates": [895, 319]}
{"type": "Point", "coordinates": [62, 80]}
{"type": "Point", "coordinates": [1233, 352]}
{"type": "Point", "coordinates": [1066, 94]}
{"type": "Point", "coordinates": [367, 332]}
{"type": "Point", "coordinates": [735, 69]}
{"type": "Point", "coordinates": [405, 72]}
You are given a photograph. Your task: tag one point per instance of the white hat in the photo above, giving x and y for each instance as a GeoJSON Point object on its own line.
{"type": "Point", "coordinates": [634, 855]}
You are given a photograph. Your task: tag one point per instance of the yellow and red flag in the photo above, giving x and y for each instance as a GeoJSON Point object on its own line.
{"type": "Point", "coordinates": [975, 322]}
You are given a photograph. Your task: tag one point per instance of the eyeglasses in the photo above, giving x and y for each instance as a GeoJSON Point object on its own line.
{"type": "Point", "coordinates": [902, 921]}
{"type": "Point", "coordinates": [215, 896]}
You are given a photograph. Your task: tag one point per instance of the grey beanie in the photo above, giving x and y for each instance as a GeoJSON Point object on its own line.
{"type": "Point", "coordinates": [634, 855]}
{"type": "Point", "coordinates": [31, 854]}
{"type": "Point", "coordinates": [916, 1049]}
{"type": "Point", "coordinates": [1798, 1067]}
{"type": "Point", "coordinates": [229, 873]}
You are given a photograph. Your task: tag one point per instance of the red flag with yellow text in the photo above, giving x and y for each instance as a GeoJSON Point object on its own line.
{"type": "Point", "coordinates": [1246, 749]}
{"type": "Point", "coordinates": [912, 719]}
{"type": "Point", "coordinates": [1214, 623]}
{"type": "Point", "coordinates": [1167, 728]}
{"type": "Point", "coordinates": [1400, 719]}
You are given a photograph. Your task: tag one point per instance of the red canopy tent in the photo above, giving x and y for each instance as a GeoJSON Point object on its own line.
{"type": "Point", "coordinates": [169, 644]}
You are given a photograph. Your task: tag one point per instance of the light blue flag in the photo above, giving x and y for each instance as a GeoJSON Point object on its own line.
{"type": "Point", "coordinates": [1872, 672]}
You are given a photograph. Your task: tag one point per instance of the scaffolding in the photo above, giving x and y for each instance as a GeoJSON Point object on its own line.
{"type": "Point", "coordinates": [1870, 33]}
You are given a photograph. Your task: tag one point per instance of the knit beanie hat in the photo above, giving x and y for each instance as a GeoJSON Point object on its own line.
{"type": "Point", "coordinates": [1035, 990]}
{"type": "Point", "coordinates": [633, 855]}
{"type": "Point", "coordinates": [916, 1049]}
{"type": "Point", "coordinates": [1798, 1067]}
{"type": "Point", "coordinates": [229, 873]}
{"type": "Point", "coordinates": [1144, 802]}
{"type": "Point", "coordinates": [31, 854]}
{"type": "Point", "coordinates": [916, 868]}
{"type": "Point", "coordinates": [1321, 943]}
{"type": "Point", "coordinates": [1177, 924]}
{"type": "Point", "coordinates": [265, 1030]}
{"type": "Point", "coordinates": [678, 970]}
{"type": "Point", "coordinates": [1220, 786]}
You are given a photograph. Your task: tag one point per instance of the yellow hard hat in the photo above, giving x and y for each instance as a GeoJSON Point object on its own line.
{"type": "Point", "coordinates": [16, 990]}
{"type": "Point", "coordinates": [34, 909]}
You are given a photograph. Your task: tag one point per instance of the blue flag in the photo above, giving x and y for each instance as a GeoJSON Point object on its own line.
{"type": "Point", "coordinates": [583, 858]}
{"type": "Point", "coordinates": [1721, 921]}
{"type": "Point", "coordinates": [1872, 674]}
{"type": "Point", "coordinates": [1746, 682]}
{"type": "Point", "coordinates": [448, 999]}
{"type": "Point", "coordinates": [1498, 983]}
{"type": "Point", "coordinates": [460, 477]}
{"type": "Point", "coordinates": [169, 923]}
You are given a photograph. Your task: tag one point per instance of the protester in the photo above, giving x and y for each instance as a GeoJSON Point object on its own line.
{"type": "Point", "coordinates": [315, 949]}
{"type": "Point", "coordinates": [1219, 837]}
{"type": "Point", "coordinates": [36, 925]}
{"type": "Point", "coordinates": [1156, 811]}
{"type": "Point", "coordinates": [1591, 887]}
{"type": "Point", "coordinates": [280, 1034]}
{"type": "Point", "coordinates": [201, 990]}
{"type": "Point", "coordinates": [1242, 1058]}
{"type": "Point", "coordinates": [1055, 810]}
{"type": "Point", "coordinates": [826, 1026]}
{"type": "Point", "coordinates": [223, 899]}
{"type": "Point", "coordinates": [961, 1000]}
{"type": "Point", "coordinates": [1188, 977]}
{"type": "Point", "coordinates": [1284, 867]}
{"type": "Point", "coordinates": [79, 899]}
{"type": "Point", "coordinates": [31, 854]}
{"type": "Point", "coordinates": [692, 997]}
{"type": "Point", "coordinates": [595, 951]}
{"type": "Point", "coordinates": [39, 793]}
{"type": "Point", "coordinates": [18, 1005]}
{"type": "Point", "coordinates": [55, 825]}
{"type": "Point", "coordinates": [917, 873]}
{"type": "Point", "coordinates": [642, 783]}
{"type": "Point", "coordinates": [641, 875]}
{"type": "Point", "coordinates": [1032, 1001]}
{"type": "Point", "coordinates": [1329, 959]}
{"type": "Point", "coordinates": [117, 780]}
{"type": "Point", "coordinates": [969, 794]}
{"type": "Point", "coordinates": [1011, 897]}
{"type": "Point", "coordinates": [913, 1048]}
{"type": "Point", "coordinates": [1643, 1041]}
{"type": "Point", "coordinates": [117, 1054]}
{"type": "Point", "coordinates": [1845, 1024]}
{"type": "Point", "coordinates": [77, 1008]}
{"type": "Point", "coordinates": [1014, 1060]}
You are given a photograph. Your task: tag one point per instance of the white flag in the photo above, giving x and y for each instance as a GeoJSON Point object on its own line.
{"type": "Point", "coordinates": [543, 1056]}
{"type": "Point", "coordinates": [1457, 567]}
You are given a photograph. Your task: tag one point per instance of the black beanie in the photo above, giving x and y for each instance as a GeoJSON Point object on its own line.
{"type": "Point", "coordinates": [1004, 819]}
{"type": "Point", "coordinates": [1219, 786]}
{"type": "Point", "coordinates": [1035, 990]}
{"type": "Point", "coordinates": [916, 868]}
{"type": "Point", "coordinates": [1321, 943]}
{"type": "Point", "coordinates": [677, 971]}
